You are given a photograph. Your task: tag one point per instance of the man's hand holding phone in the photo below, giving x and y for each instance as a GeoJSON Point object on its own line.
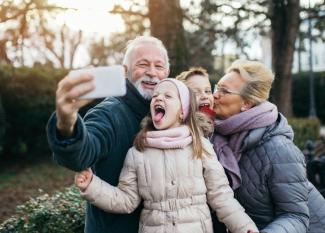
{"type": "Point", "coordinates": [80, 87]}
{"type": "Point", "coordinates": [108, 80]}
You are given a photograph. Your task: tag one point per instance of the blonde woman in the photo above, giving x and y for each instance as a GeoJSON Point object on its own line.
{"type": "Point", "coordinates": [253, 142]}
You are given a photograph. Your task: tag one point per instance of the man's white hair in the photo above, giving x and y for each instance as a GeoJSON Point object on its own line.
{"type": "Point", "coordinates": [133, 44]}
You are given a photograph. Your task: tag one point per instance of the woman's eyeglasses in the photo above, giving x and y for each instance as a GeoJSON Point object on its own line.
{"type": "Point", "coordinates": [224, 91]}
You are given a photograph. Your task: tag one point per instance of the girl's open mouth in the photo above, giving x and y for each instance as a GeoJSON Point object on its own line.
{"type": "Point", "coordinates": [204, 106]}
{"type": "Point", "coordinates": [159, 113]}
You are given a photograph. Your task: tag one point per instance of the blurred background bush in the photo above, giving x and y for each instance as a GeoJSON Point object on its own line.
{"type": "Point", "coordinates": [27, 100]}
{"type": "Point", "coordinates": [304, 129]}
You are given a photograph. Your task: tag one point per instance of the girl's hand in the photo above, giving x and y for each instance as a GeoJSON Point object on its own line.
{"type": "Point", "coordinates": [82, 179]}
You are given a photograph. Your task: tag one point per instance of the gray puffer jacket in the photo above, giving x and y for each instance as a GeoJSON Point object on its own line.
{"type": "Point", "coordinates": [275, 191]}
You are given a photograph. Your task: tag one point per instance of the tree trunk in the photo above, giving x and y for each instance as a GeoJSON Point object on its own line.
{"type": "Point", "coordinates": [285, 27]}
{"type": "Point", "coordinates": [299, 53]}
{"type": "Point", "coordinates": [166, 20]}
{"type": "Point", "coordinates": [4, 59]}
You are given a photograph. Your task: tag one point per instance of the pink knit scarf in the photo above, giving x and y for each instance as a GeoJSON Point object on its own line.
{"type": "Point", "coordinates": [174, 138]}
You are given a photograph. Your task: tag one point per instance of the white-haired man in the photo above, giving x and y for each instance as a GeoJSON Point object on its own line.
{"type": "Point", "coordinates": [102, 139]}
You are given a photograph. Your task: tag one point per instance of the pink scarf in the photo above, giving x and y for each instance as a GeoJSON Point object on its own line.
{"type": "Point", "coordinates": [231, 132]}
{"type": "Point", "coordinates": [174, 138]}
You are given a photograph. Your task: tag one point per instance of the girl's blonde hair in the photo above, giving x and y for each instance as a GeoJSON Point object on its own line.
{"type": "Point", "coordinates": [191, 121]}
{"type": "Point", "coordinates": [258, 77]}
{"type": "Point", "coordinates": [185, 75]}
{"type": "Point", "coordinates": [205, 124]}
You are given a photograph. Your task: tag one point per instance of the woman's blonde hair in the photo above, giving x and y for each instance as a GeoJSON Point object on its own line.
{"type": "Point", "coordinates": [258, 77]}
{"type": "Point", "coordinates": [191, 121]}
{"type": "Point", "coordinates": [185, 75]}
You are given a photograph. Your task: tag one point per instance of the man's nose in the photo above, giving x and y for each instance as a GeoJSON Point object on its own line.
{"type": "Point", "coordinates": [151, 70]}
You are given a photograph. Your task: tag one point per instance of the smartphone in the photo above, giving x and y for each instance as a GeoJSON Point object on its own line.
{"type": "Point", "coordinates": [109, 81]}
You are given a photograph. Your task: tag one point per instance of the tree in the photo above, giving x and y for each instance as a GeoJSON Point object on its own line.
{"type": "Point", "coordinates": [300, 48]}
{"type": "Point", "coordinates": [284, 30]}
{"type": "Point", "coordinates": [59, 47]}
{"type": "Point", "coordinates": [104, 51]}
{"type": "Point", "coordinates": [167, 24]}
{"type": "Point", "coordinates": [99, 53]}
{"type": "Point", "coordinates": [202, 33]}
{"type": "Point", "coordinates": [19, 20]}
{"type": "Point", "coordinates": [277, 18]}
{"type": "Point", "coordinates": [4, 59]}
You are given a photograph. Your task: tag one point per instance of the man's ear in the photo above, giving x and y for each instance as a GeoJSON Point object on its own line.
{"type": "Point", "coordinates": [168, 72]}
{"type": "Point", "coordinates": [125, 71]}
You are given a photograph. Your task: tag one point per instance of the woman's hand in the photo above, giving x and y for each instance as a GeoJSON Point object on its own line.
{"type": "Point", "coordinates": [82, 179]}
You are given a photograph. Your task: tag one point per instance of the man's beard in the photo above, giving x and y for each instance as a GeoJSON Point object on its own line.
{"type": "Point", "coordinates": [145, 93]}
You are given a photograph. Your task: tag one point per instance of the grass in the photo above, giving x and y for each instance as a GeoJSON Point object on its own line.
{"type": "Point", "coordinates": [19, 182]}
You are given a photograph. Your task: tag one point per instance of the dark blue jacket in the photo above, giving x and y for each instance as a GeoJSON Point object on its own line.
{"type": "Point", "coordinates": [275, 191]}
{"type": "Point", "coordinates": [101, 141]}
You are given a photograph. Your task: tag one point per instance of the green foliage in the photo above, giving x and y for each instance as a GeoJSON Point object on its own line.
{"type": "Point", "coordinates": [300, 95]}
{"type": "Point", "coordinates": [304, 129]}
{"type": "Point", "coordinates": [28, 97]}
{"type": "Point", "coordinates": [62, 212]}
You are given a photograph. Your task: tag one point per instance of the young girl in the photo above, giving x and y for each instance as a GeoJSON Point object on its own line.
{"type": "Point", "coordinates": [197, 79]}
{"type": "Point", "coordinates": [173, 169]}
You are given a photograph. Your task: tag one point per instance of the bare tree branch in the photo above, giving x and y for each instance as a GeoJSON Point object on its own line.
{"type": "Point", "coordinates": [128, 12]}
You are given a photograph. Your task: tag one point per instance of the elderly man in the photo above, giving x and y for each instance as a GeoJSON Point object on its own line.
{"type": "Point", "coordinates": [102, 139]}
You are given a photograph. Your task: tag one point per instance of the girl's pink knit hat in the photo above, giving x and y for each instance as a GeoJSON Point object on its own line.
{"type": "Point", "coordinates": [184, 94]}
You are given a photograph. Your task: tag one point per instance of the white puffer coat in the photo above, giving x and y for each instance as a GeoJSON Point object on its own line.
{"type": "Point", "coordinates": [175, 189]}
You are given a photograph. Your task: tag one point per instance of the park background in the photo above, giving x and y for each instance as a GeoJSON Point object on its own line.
{"type": "Point", "coordinates": [41, 40]}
